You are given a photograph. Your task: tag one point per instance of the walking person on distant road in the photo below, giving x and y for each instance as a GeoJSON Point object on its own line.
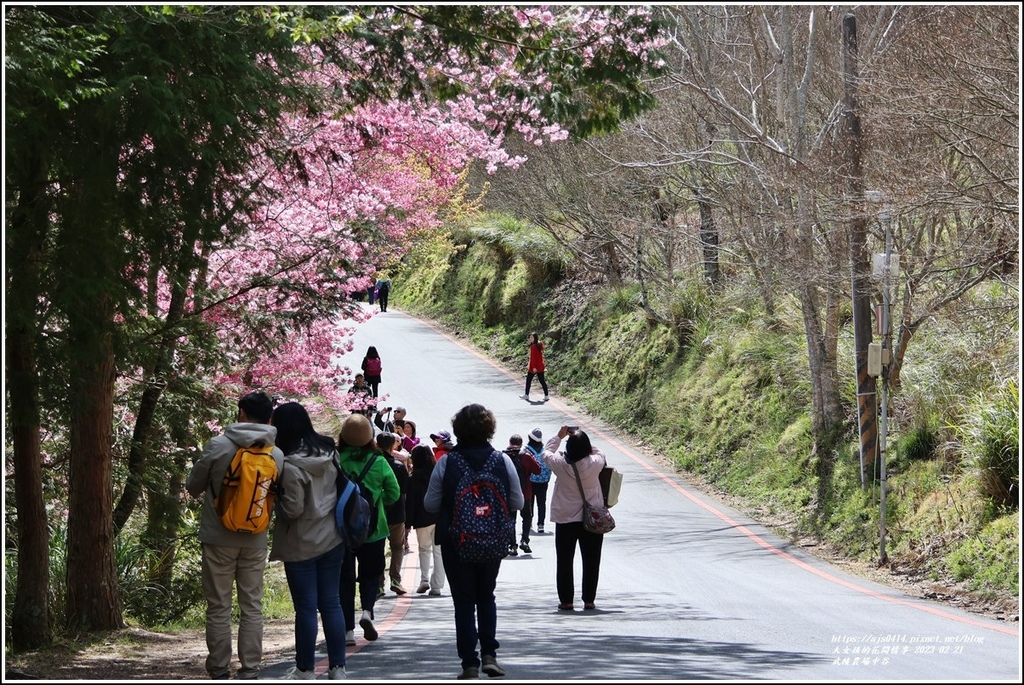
{"type": "Point", "coordinates": [526, 466]}
{"type": "Point", "coordinates": [471, 562]}
{"type": "Point", "coordinates": [538, 481]}
{"type": "Point", "coordinates": [233, 560]}
{"type": "Point", "coordinates": [307, 541]}
{"type": "Point", "coordinates": [371, 366]}
{"type": "Point", "coordinates": [567, 513]}
{"type": "Point", "coordinates": [383, 292]}
{"type": "Point", "coordinates": [535, 367]}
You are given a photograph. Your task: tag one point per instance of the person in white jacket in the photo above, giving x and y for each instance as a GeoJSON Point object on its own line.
{"type": "Point", "coordinates": [307, 541]}
{"type": "Point", "coordinates": [566, 511]}
{"type": "Point", "coordinates": [232, 559]}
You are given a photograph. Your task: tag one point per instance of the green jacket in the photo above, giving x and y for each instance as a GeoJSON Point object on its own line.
{"type": "Point", "coordinates": [379, 480]}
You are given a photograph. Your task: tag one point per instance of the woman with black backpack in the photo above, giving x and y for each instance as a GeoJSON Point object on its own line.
{"type": "Point", "coordinates": [471, 478]}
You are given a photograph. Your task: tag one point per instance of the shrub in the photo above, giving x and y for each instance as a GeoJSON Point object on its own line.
{"type": "Point", "coordinates": [992, 443]}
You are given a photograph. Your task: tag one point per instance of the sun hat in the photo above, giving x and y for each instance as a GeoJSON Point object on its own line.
{"type": "Point", "coordinates": [356, 431]}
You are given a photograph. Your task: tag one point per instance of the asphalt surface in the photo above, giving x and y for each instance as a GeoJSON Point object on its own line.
{"type": "Point", "coordinates": [689, 590]}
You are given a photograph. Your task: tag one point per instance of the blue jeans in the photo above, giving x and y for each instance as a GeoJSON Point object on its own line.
{"type": "Point", "coordinates": [476, 614]}
{"type": "Point", "coordinates": [314, 586]}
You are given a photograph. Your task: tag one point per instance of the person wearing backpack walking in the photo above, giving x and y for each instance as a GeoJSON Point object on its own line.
{"type": "Point", "coordinates": [526, 466]}
{"type": "Point", "coordinates": [362, 462]}
{"type": "Point", "coordinates": [306, 539]}
{"type": "Point", "coordinates": [231, 559]}
{"type": "Point", "coordinates": [474, 489]}
{"type": "Point", "coordinates": [371, 366]}
{"type": "Point", "coordinates": [538, 481]}
{"type": "Point", "coordinates": [383, 292]}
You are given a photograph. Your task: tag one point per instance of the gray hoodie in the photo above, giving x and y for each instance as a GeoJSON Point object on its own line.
{"type": "Point", "coordinates": [305, 507]}
{"type": "Point", "coordinates": [207, 475]}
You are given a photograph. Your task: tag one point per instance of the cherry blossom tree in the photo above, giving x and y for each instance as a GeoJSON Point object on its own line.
{"type": "Point", "coordinates": [204, 186]}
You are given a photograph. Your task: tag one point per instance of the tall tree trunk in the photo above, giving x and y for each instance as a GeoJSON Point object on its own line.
{"type": "Point", "coordinates": [93, 601]}
{"type": "Point", "coordinates": [708, 241]}
{"type": "Point", "coordinates": [89, 247]}
{"type": "Point", "coordinates": [30, 615]}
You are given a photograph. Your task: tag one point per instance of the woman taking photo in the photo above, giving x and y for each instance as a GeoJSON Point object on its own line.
{"type": "Point", "coordinates": [306, 540]}
{"type": "Point", "coordinates": [535, 367]}
{"type": "Point", "coordinates": [566, 511]}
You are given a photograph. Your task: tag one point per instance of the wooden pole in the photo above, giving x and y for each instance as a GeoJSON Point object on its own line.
{"type": "Point", "coordinates": [860, 265]}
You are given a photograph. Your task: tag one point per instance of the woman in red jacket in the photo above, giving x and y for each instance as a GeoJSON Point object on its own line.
{"type": "Point", "coordinates": [536, 367]}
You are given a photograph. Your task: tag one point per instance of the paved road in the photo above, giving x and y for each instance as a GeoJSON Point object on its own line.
{"type": "Point", "coordinates": [690, 589]}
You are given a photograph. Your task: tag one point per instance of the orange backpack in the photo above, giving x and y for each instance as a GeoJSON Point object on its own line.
{"type": "Point", "coordinates": [246, 499]}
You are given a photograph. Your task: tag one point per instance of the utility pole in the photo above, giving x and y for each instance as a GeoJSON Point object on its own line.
{"type": "Point", "coordinates": [860, 267]}
{"type": "Point", "coordinates": [887, 267]}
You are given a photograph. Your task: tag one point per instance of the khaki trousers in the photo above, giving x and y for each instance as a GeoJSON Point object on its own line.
{"type": "Point", "coordinates": [225, 569]}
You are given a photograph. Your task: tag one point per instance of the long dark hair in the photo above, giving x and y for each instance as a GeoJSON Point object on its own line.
{"type": "Point", "coordinates": [294, 429]}
{"type": "Point", "coordinates": [534, 339]}
{"type": "Point", "coordinates": [422, 458]}
{"type": "Point", "coordinates": [577, 447]}
{"type": "Point", "coordinates": [371, 352]}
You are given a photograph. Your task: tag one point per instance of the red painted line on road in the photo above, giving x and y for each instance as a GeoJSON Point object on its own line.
{"type": "Point", "coordinates": [754, 537]}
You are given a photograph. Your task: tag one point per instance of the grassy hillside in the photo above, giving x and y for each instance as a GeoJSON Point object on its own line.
{"type": "Point", "coordinates": [726, 397]}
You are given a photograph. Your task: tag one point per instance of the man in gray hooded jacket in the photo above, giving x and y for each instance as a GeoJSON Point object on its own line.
{"type": "Point", "coordinates": [232, 559]}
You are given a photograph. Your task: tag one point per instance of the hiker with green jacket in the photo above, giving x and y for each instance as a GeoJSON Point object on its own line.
{"type": "Point", "coordinates": [364, 463]}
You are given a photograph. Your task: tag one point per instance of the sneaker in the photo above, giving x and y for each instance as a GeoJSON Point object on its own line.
{"type": "Point", "coordinates": [350, 637]}
{"type": "Point", "coordinates": [380, 592]}
{"type": "Point", "coordinates": [469, 673]}
{"type": "Point", "coordinates": [397, 588]}
{"type": "Point", "coordinates": [247, 674]}
{"type": "Point", "coordinates": [513, 552]}
{"type": "Point", "coordinates": [540, 529]}
{"type": "Point", "coordinates": [546, 398]}
{"type": "Point", "coordinates": [524, 397]}
{"type": "Point", "coordinates": [366, 623]}
{"type": "Point", "coordinates": [337, 673]}
{"type": "Point", "coordinates": [525, 546]}
{"type": "Point", "coordinates": [295, 674]}
{"type": "Point", "coordinates": [491, 667]}
{"type": "Point", "coordinates": [422, 588]}
{"type": "Point", "coordinates": [435, 593]}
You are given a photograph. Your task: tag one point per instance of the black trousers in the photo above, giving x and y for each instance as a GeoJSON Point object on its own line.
{"type": "Point", "coordinates": [567, 536]}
